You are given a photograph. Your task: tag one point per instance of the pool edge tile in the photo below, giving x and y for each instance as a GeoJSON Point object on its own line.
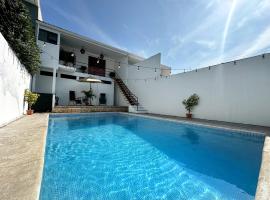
{"type": "Point", "coordinates": [263, 187]}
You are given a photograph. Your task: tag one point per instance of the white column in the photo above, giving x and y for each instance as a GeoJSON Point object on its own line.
{"type": "Point", "coordinates": [53, 87]}
{"type": "Point", "coordinates": [34, 83]}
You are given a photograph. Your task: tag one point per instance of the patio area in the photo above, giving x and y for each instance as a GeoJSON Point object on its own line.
{"type": "Point", "coordinates": [22, 147]}
{"type": "Point", "coordinates": [87, 109]}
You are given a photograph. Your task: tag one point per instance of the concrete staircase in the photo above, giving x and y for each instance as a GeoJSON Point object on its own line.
{"type": "Point", "coordinates": [135, 106]}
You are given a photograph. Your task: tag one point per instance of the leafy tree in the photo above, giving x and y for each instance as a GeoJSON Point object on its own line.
{"type": "Point", "coordinates": [16, 27]}
{"type": "Point", "coordinates": [192, 101]}
{"type": "Point", "coordinates": [89, 94]}
{"type": "Point", "coordinates": [31, 98]}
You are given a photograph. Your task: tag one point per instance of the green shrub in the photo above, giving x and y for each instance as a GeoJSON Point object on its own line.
{"type": "Point", "coordinates": [89, 94]}
{"type": "Point", "coordinates": [16, 27]}
{"type": "Point", "coordinates": [192, 101]}
{"type": "Point", "coordinates": [31, 98]}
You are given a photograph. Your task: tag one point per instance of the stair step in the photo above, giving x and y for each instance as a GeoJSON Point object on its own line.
{"type": "Point", "coordinates": [131, 98]}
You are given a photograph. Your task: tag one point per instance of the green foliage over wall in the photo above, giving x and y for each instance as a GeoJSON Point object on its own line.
{"type": "Point", "coordinates": [16, 27]}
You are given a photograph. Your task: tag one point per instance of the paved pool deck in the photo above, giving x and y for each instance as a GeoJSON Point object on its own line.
{"type": "Point", "coordinates": [22, 148]}
{"type": "Point", "coordinates": [212, 123]}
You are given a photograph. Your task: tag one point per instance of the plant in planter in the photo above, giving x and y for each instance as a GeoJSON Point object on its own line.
{"type": "Point", "coordinates": [31, 98]}
{"type": "Point", "coordinates": [189, 104]}
{"type": "Point", "coordinates": [112, 74]}
{"type": "Point", "coordinates": [89, 95]}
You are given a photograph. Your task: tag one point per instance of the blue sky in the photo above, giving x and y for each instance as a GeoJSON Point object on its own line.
{"type": "Point", "coordinates": [188, 33]}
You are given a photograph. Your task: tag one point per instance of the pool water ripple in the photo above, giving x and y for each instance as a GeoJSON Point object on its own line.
{"type": "Point", "coordinates": [116, 156]}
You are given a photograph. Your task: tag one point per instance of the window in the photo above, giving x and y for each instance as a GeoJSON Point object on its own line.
{"type": "Point", "coordinates": [46, 73]}
{"type": "Point", "coordinates": [47, 36]}
{"type": "Point", "coordinates": [106, 82]}
{"type": "Point", "coordinates": [68, 76]}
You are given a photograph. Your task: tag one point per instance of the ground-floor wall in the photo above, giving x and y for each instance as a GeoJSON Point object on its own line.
{"type": "Point", "coordinates": [63, 86]}
{"type": "Point", "coordinates": [233, 92]}
{"type": "Point", "coordinates": [14, 79]}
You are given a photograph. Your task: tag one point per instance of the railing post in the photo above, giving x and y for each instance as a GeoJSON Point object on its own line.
{"type": "Point", "coordinates": [137, 103]}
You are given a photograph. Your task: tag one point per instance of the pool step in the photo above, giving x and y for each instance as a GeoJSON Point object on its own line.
{"type": "Point", "coordinates": [135, 109]}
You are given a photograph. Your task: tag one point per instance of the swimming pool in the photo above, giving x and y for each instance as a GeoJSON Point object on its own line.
{"type": "Point", "coordinates": [121, 156]}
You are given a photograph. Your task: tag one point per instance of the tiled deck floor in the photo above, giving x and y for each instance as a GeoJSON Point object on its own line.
{"type": "Point", "coordinates": [21, 157]}
{"type": "Point", "coordinates": [228, 125]}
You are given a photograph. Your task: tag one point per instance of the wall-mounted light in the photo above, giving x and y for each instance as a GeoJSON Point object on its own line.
{"type": "Point", "coordinates": [101, 57]}
{"type": "Point", "coordinates": [72, 54]}
{"type": "Point", "coordinates": [82, 51]}
{"type": "Point", "coordinates": [119, 66]}
{"type": "Point", "coordinates": [44, 44]}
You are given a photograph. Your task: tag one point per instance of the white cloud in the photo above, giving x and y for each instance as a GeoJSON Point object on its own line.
{"type": "Point", "coordinates": [263, 6]}
{"type": "Point", "coordinates": [261, 43]}
{"type": "Point", "coordinates": [207, 43]}
{"type": "Point", "coordinates": [258, 9]}
{"type": "Point", "coordinates": [211, 3]}
{"type": "Point", "coordinates": [87, 24]}
{"type": "Point", "coordinates": [142, 53]}
{"type": "Point", "coordinates": [242, 22]}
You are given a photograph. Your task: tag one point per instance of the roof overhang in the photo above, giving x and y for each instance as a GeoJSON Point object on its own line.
{"type": "Point", "coordinates": [35, 2]}
{"type": "Point", "coordinates": [78, 41]}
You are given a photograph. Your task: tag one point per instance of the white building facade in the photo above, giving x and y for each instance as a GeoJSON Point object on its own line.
{"type": "Point", "coordinates": [67, 57]}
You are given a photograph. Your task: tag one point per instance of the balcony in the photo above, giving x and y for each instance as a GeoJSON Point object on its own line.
{"type": "Point", "coordinates": [71, 61]}
{"type": "Point", "coordinates": [67, 61]}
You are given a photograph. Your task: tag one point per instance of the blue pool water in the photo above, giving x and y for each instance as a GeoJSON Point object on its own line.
{"type": "Point", "coordinates": [119, 156]}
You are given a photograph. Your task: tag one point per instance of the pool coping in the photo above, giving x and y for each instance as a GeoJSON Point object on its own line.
{"type": "Point", "coordinates": [238, 130]}
{"type": "Point", "coordinates": [263, 185]}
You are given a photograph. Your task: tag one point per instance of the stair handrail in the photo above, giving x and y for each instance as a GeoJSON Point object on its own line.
{"type": "Point", "coordinates": [137, 99]}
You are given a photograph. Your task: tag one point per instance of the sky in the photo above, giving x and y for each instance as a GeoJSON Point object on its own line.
{"type": "Point", "coordinates": [189, 34]}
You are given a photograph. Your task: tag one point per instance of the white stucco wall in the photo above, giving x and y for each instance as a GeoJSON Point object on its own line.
{"type": "Point", "coordinates": [149, 68]}
{"type": "Point", "coordinates": [14, 79]}
{"type": "Point", "coordinates": [234, 93]}
{"type": "Point", "coordinates": [49, 56]}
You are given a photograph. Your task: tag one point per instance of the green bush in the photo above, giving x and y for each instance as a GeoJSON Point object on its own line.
{"type": "Point", "coordinates": [30, 97]}
{"type": "Point", "coordinates": [192, 101]}
{"type": "Point", "coordinates": [89, 94]}
{"type": "Point", "coordinates": [16, 27]}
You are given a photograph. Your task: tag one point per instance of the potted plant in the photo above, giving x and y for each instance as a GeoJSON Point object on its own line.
{"type": "Point", "coordinates": [89, 95]}
{"type": "Point", "coordinates": [31, 98]}
{"type": "Point", "coordinates": [189, 104]}
{"type": "Point", "coordinates": [112, 74]}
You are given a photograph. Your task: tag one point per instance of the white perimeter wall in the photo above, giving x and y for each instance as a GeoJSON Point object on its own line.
{"type": "Point", "coordinates": [14, 79]}
{"type": "Point", "coordinates": [234, 93]}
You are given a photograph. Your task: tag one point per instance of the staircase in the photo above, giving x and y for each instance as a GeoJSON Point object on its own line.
{"type": "Point", "coordinates": [131, 98]}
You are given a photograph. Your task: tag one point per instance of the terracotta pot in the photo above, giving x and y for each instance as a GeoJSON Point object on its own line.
{"type": "Point", "coordinates": [189, 115]}
{"type": "Point", "coordinates": [30, 112]}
